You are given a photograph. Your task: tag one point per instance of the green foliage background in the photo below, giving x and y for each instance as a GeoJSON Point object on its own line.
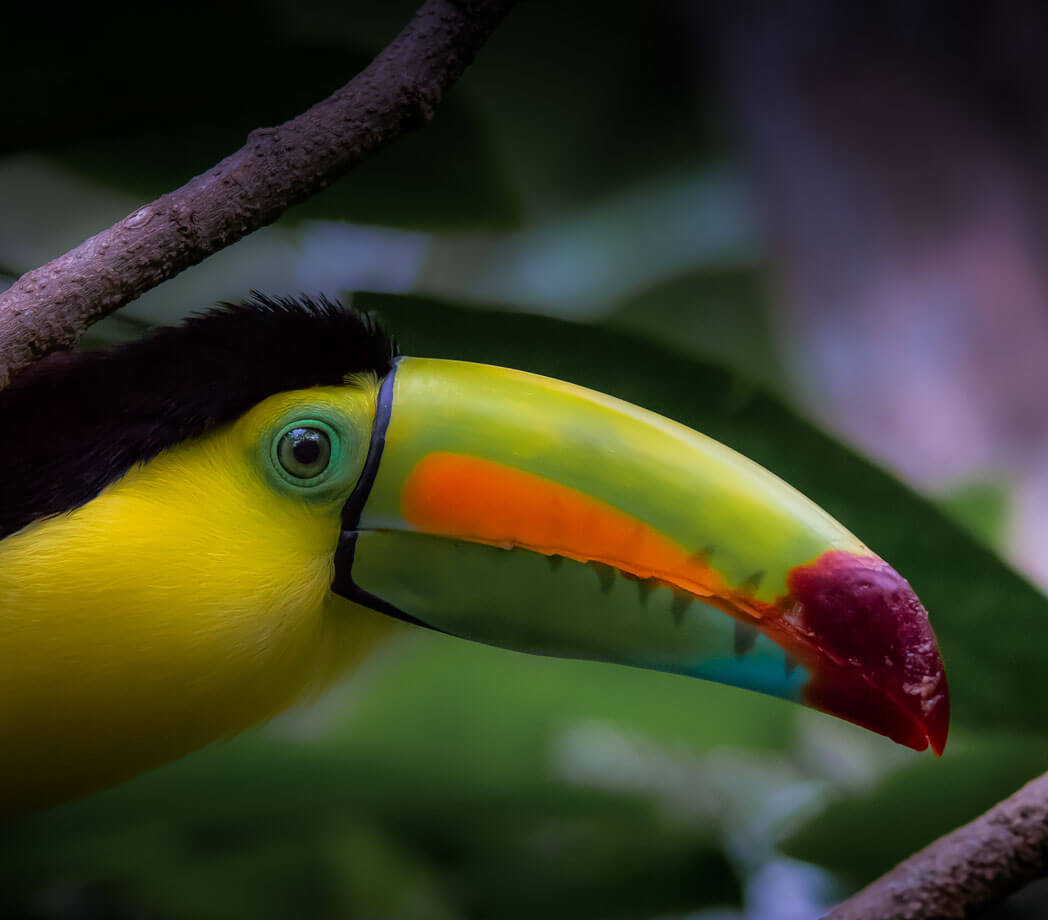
{"type": "Point", "coordinates": [457, 781]}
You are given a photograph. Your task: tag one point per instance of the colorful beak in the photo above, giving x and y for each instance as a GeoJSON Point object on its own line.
{"type": "Point", "coordinates": [540, 516]}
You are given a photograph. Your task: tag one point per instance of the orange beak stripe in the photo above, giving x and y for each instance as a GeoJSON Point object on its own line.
{"type": "Point", "coordinates": [456, 495]}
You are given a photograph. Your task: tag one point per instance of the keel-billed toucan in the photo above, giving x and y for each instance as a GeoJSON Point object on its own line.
{"type": "Point", "coordinates": [201, 527]}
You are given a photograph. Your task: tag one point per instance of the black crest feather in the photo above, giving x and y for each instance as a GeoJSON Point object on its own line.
{"type": "Point", "coordinates": [77, 421]}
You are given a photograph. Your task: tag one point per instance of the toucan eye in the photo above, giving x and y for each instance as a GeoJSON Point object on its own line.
{"type": "Point", "coordinates": [304, 452]}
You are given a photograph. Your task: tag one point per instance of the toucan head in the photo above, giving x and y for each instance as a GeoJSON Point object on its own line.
{"type": "Point", "coordinates": [486, 503]}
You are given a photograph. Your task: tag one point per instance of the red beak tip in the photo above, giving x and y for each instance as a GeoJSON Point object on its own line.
{"type": "Point", "coordinates": [863, 612]}
{"type": "Point", "coordinates": [938, 725]}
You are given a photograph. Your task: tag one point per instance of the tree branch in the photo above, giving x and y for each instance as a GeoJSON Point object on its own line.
{"type": "Point", "coordinates": [967, 870]}
{"type": "Point", "coordinates": [49, 307]}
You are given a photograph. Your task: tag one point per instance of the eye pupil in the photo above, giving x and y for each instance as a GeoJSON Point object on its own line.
{"type": "Point", "coordinates": [304, 453]}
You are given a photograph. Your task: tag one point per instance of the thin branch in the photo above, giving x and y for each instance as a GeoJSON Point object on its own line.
{"type": "Point", "coordinates": [967, 870]}
{"type": "Point", "coordinates": [49, 307]}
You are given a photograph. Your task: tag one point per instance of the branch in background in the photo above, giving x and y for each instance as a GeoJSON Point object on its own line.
{"type": "Point", "coordinates": [49, 307]}
{"type": "Point", "coordinates": [967, 870]}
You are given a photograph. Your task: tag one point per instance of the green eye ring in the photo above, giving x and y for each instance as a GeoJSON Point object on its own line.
{"type": "Point", "coordinates": [305, 452]}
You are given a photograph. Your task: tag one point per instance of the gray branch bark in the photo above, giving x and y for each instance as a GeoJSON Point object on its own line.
{"type": "Point", "coordinates": [966, 871]}
{"type": "Point", "coordinates": [48, 308]}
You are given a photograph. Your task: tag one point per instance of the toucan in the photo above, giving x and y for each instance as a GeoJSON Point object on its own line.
{"type": "Point", "coordinates": [204, 526]}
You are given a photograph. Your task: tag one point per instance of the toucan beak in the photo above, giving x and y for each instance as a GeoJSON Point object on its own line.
{"type": "Point", "coordinates": [533, 514]}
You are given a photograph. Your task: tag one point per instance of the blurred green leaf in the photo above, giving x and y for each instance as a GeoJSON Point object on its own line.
{"type": "Point", "coordinates": [863, 836]}
{"type": "Point", "coordinates": [718, 315]}
{"type": "Point", "coordinates": [264, 829]}
{"type": "Point", "coordinates": [565, 104]}
{"type": "Point", "coordinates": [107, 111]}
{"type": "Point", "coordinates": [981, 508]}
{"type": "Point", "coordinates": [507, 726]}
{"type": "Point", "coordinates": [580, 98]}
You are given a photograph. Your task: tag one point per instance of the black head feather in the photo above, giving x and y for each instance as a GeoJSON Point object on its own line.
{"type": "Point", "coordinates": [77, 421]}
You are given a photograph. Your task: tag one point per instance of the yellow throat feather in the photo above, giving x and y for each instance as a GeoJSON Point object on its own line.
{"type": "Point", "coordinates": [102, 676]}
